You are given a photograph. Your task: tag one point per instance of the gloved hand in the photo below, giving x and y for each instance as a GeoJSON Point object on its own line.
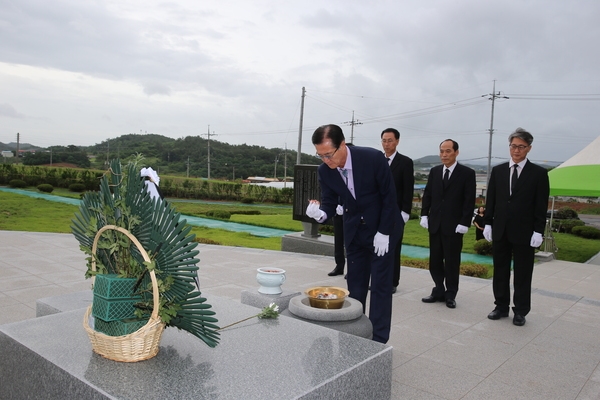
{"type": "Point", "coordinates": [314, 211]}
{"type": "Point", "coordinates": [461, 229]}
{"type": "Point", "coordinates": [487, 233]}
{"type": "Point", "coordinates": [536, 239]}
{"type": "Point", "coordinates": [339, 210]}
{"type": "Point", "coordinates": [405, 216]}
{"type": "Point", "coordinates": [381, 243]}
{"type": "Point", "coordinates": [425, 222]}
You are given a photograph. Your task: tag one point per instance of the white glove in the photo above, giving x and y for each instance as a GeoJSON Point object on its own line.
{"type": "Point", "coordinates": [339, 210]}
{"type": "Point", "coordinates": [381, 243]}
{"type": "Point", "coordinates": [149, 172]}
{"type": "Point", "coordinates": [536, 239]}
{"type": "Point", "coordinates": [424, 222]}
{"type": "Point", "coordinates": [405, 216]}
{"type": "Point", "coordinates": [487, 233]}
{"type": "Point", "coordinates": [314, 211]}
{"type": "Point", "coordinates": [461, 229]}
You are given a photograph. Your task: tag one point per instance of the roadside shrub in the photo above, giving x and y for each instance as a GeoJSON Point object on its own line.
{"type": "Point", "coordinates": [205, 241]}
{"type": "Point", "coordinates": [45, 187]}
{"type": "Point", "coordinates": [247, 200]}
{"type": "Point", "coordinates": [483, 247]}
{"type": "Point", "coordinates": [17, 183]}
{"type": "Point", "coordinates": [566, 225]}
{"type": "Point", "coordinates": [414, 215]}
{"type": "Point", "coordinates": [422, 264]}
{"type": "Point", "coordinates": [246, 212]}
{"type": "Point", "coordinates": [566, 213]}
{"type": "Point", "coordinates": [220, 214]}
{"type": "Point", "coordinates": [77, 187]}
{"type": "Point", "coordinates": [476, 270]}
{"type": "Point", "coordinates": [588, 232]}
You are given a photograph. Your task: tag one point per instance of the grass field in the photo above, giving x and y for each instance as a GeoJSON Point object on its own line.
{"type": "Point", "coordinates": [23, 213]}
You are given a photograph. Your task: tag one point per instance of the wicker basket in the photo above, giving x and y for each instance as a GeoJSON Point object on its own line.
{"type": "Point", "coordinates": [139, 345]}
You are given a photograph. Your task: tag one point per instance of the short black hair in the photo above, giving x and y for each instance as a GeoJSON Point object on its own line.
{"type": "Point", "coordinates": [331, 132]}
{"type": "Point", "coordinates": [394, 131]}
{"type": "Point", "coordinates": [454, 144]}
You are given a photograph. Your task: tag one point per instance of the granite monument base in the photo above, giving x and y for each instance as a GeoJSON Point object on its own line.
{"type": "Point", "coordinates": [284, 358]}
{"type": "Point", "coordinates": [298, 243]}
{"type": "Point", "coordinates": [260, 300]}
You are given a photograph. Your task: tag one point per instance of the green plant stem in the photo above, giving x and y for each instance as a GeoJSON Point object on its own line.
{"type": "Point", "coordinates": [245, 319]}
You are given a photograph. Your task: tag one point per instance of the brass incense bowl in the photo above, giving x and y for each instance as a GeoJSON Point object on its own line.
{"type": "Point", "coordinates": [329, 297]}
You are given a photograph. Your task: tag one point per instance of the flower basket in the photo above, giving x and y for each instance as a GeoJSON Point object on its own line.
{"type": "Point", "coordinates": [139, 345]}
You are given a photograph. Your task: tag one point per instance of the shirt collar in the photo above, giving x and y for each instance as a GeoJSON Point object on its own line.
{"type": "Point", "coordinates": [521, 164]}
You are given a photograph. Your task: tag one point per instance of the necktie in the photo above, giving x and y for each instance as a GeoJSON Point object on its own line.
{"type": "Point", "coordinates": [446, 177]}
{"type": "Point", "coordinates": [515, 177]}
{"type": "Point", "coordinates": [345, 173]}
{"type": "Point", "coordinates": [388, 160]}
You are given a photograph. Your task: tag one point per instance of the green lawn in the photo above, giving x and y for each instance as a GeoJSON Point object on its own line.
{"type": "Point", "coordinates": [23, 213]}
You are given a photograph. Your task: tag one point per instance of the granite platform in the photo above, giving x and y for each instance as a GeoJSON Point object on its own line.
{"type": "Point", "coordinates": [257, 359]}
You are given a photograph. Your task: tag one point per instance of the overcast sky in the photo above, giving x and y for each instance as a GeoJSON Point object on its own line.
{"type": "Point", "coordinates": [80, 72]}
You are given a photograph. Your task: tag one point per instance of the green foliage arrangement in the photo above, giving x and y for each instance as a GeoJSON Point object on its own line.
{"type": "Point", "coordinates": [483, 247]}
{"type": "Point", "coordinates": [123, 201]}
{"type": "Point", "coordinates": [45, 187]}
{"type": "Point", "coordinates": [588, 232]}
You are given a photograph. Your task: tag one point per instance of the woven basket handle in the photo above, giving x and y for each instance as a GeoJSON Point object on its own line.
{"type": "Point", "coordinates": [142, 251]}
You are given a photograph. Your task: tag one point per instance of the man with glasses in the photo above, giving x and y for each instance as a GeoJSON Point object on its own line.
{"type": "Point", "coordinates": [403, 174]}
{"type": "Point", "coordinates": [515, 218]}
{"type": "Point", "coordinates": [361, 178]}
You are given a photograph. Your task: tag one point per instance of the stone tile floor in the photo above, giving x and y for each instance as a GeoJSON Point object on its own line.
{"type": "Point", "coordinates": [439, 353]}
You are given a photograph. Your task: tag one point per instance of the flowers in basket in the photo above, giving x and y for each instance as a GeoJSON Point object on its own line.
{"type": "Point", "coordinates": [127, 233]}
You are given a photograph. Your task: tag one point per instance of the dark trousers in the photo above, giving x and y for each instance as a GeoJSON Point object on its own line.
{"type": "Point", "coordinates": [523, 256]}
{"type": "Point", "coordinates": [338, 242]}
{"type": "Point", "coordinates": [364, 266]}
{"type": "Point", "coordinates": [397, 259]}
{"type": "Point", "coordinates": [444, 263]}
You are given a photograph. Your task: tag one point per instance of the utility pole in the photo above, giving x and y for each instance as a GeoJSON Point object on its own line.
{"type": "Point", "coordinates": [18, 145]}
{"type": "Point", "coordinates": [285, 166]}
{"type": "Point", "coordinates": [352, 123]}
{"type": "Point", "coordinates": [298, 156]}
{"type": "Point", "coordinates": [187, 174]}
{"type": "Point", "coordinates": [492, 97]}
{"type": "Point", "coordinates": [208, 134]}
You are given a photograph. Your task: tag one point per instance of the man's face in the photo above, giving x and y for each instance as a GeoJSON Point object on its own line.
{"type": "Point", "coordinates": [333, 157]}
{"type": "Point", "coordinates": [518, 150]}
{"type": "Point", "coordinates": [389, 143]}
{"type": "Point", "coordinates": [447, 153]}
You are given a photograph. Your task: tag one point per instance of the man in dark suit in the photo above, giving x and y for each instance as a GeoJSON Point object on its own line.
{"type": "Point", "coordinates": [361, 178]}
{"type": "Point", "coordinates": [515, 218]}
{"type": "Point", "coordinates": [403, 173]}
{"type": "Point", "coordinates": [447, 210]}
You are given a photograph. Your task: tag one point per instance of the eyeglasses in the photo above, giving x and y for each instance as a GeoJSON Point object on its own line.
{"type": "Point", "coordinates": [326, 156]}
{"type": "Point", "coordinates": [384, 141]}
{"type": "Point", "coordinates": [517, 147]}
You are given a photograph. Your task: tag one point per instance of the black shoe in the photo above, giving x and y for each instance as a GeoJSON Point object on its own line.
{"type": "Point", "coordinates": [336, 271]}
{"type": "Point", "coordinates": [519, 320]}
{"type": "Point", "coordinates": [346, 276]}
{"type": "Point", "coordinates": [394, 288]}
{"type": "Point", "coordinates": [497, 314]}
{"type": "Point", "coordinates": [451, 303]}
{"type": "Point", "coordinates": [432, 299]}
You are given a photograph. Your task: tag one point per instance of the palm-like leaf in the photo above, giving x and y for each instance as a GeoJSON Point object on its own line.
{"type": "Point", "coordinates": [123, 201]}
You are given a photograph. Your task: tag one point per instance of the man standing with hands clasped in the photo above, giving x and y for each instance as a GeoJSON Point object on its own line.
{"type": "Point", "coordinates": [360, 179]}
{"type": "Point", "coordinates": [446, 212]}
{"type": "Point", "coordinates": [403, 174]}
{"type": "Point", "coordinates": [515, 218]}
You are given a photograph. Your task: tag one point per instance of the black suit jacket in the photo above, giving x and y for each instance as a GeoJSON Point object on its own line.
{"type": "Point", "coordinates": [448, 207]}
{"type": "Point", "coordinates": [522, 213]}
{"type": "Point", "coordinates": [375, 199]}
{"type": "Point", "coordinates": [403, 173]}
